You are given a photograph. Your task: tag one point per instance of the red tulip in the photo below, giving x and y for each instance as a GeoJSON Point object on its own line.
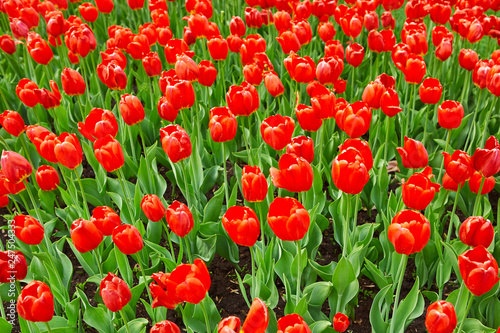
{"type": "Point", "coordinates": [475, 183]}
{"type": "Point", "coordinates": [39, 49]}
{"type": "Point", "coordinates": [418, 191]}
{"type": "Point", "coordinates": [302, 70]}
{"type": "Point", "coordinates": [295, 174]}
{"type": "Point", "coordinates": [289, 42]}
{"type": "Point", "coordinates": [44, 141]}
{"type": "Point", "coordinates": [85, 235]}
{"type": "Point", "coordinates": [112, 75]}
{"type": "Point", "coordinates": [176, 142]}
{"type": "Point", "coordinates": [49, 99]}
{"type": "Point", "coordinates": [389, 103]}
{"type": "Point", "coordinates": [27, 229]}
{"type": "Point", "coordinates": [301, 146]}
{"type": "Point", "coordinates": [150, 31]}
{"type": "Point", "coordinates": [218, 48]}
{"type": "Point", "coordinates": [273, 83]}
{"type": "Point", "coordinates": [450, 114]}
{"type": "Point", "coordinates": [109, 153]}
{"type": "Point", "coordinates": [222, 124]}
{"type": "Point", "coordinates": [105, 6]}
{"type": "Point", "coordinates": [277, 131]}
{"type": "Point", "coordinates": [376, 41]}
{"type": "Point", "coordinates": [487, 161]}
{"type": "Point", "coordinates": [449, 184]}
{"type": "Point", "coordinates": [131, 109]}
{"type": "Point", "coordinates": [476, 231]}
{"type": "Point", "coordinates": [242, 225]}
{"type": "Point", "coordinates": [25, 90]}
{"type": "Point", "coordinates": [47, 178]}
{"type": "Point", "coordinates": [152, 207]}
{"type": "Point", "coordinates": [68, 150]}
{"type": "Point", "coordinates": [200, 6]}
{"type": "Point", "coordinates": [329, 69]}
{"type": "Point", "coordinates": [481, 71]}
{"type": "Point", "coordinates": [237, 26]}
{"type": "Point", "coordinates": [127, 239]}
{"type": "Point", "coordinates": [414, 69]}
{"type": "Point", "coordinates": [400, 54]}
{"type": "Point", "coordinates": [115, 292]}
{"type": "Point", "coordinates": [292, 323]}
{"type": "Point", "coordinates": [242, 100]}
{"type": "Point", "coordinates": [493, 81]}
{"type": "Point", "coordinates": [388, 20]}
{"type": "Point", "coordinates": [370, 21]}
{"type": "Point", "coordinates": [458, 166]}
{"type": "Point", "coordinates": [19, 28]}
{"type": "Point", "coordinates": [326, 31]}
{"type": "Point", "coordinates": [307, 117]}
{"type": "Point", "coordinates": [340, 322]}
{"type": "Point", "coordinates": [253, 184]}
{"type": "Point", "coordinates": [13, 266]}
{"type": "Point", "coordinates": [179, 218]}
{"type": "Point", "coordinates": [409, 232]}
{"type": "Point", "coordinates": [253, 74]}
{"type": "Point", "coordinates": [354, 54]}
{"type": "Point", "coordinates": [441, 317]}
{"type": "Point", "coordinates": [72, 82]}
{"type": "Point", "coordinates": [334, 48]}
{"type": "Point", "coordinates": [80, 39]}
{"type": "Point", "coordinates": [98, 124]}
{"type": "Point", "coordinates": [356, 119]}
{"type": "Point", "coordinates": [186, 68]}
{"type": "Point", "coordinates": [36, 302]}
{"type": "Point", "coordinates": [180, 94]}
{"type": "Point", "coordinates": [372, 94]}
{"type": "Point", "coordinates": [88, 12]}
{"type": "Point", "coordinates": [288, 219]}
{"type": "Point", "coordinates": [413, 154]}
{"type": "Point", "coordinates": [105, 219]}
{"type": "Point", "coordinates": [115, 54]}
{"type": "Point", "coordinates": [351, 24]}
{"type": "Point", "coordinates": [478, 269]}
{"type": "Point", "coordinates": [15, 167]}
{"type": "Point", "coordinates": [208, 73]}
{"type": "Point", "coordinates": [165, 327]}
{"type": "Point", "coordinates": [362, 147]}
{"type": "Point", "coordinates": [468, 59]}
{"type": "Point", "coordinates": [230, 324]}
{"type": "Point", "coordinates": [251, 45]}
{"type": "Point", "coordinates": [152, 64]}
{"type": "Point", "coordinates": [324, 104]}
{"type": "Point", "coordinates": [7, 44]}
{"type": "Point", "coordinates": [430, 91]}
{"type": "Point", "coordinates": [257, 319]}
{"type": "Point", "coordinates": [349, 171]}
{"type": "Point", "coordinates": [12, 122]}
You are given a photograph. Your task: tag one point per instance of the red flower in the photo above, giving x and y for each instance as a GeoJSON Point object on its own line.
{"type": "Point", "coordinates": [174, 48]}
{"type": "Point", "coordinates": [400, 54]}
{"type": "Point", "coordinates": [478, 269]}
{"type": "Point", "coordinates": [340, 322]}
{"type": "Point", "coordinates": [253, 74]}
{"type": "Point", "coordinates": [25, 90]}
{"type": "Point", "coordinates": [152, 64]}
{"type": "Point", "coordinates": [444, 49]}
{"type": "Point", "coordinates": [7, 44]}
{"type": "Point", "coordinates": [242, 225]}
{"type": "Point", "coordinates": [414, 69]}
{"type": "Point", "coordinates": [88, 12]}
{"type": "Point", "coordinates": [253, 184]}
{"type": "Point", "coordinates": [372, 94]}
{"type": "Point", "coordinates": [481, 71]}
{"type": "Point", "coordinates": [370, 21]}
{"type": "Point", "coordinates": [292, 323]}
{"type": "Point", "coordinates": [112, 75]}
{"type": "Point", "coordinates": [389, 103]}
{"type": "Point", "coordinates": [12, 122]}
{"type": "Point", "coordinates": [85, 235]}
{"type": "Point", "coordinates": [329, 69]}
{"type": "Point", "coordinates": [80, 39]}
{"type": "Point", "coordinates": [229, 324]}
{"type": "Point", "coordinates": [222, 124]}
{"type": "Point", "coordinates": [289, 42]}
{"type": "Point", "coordinates": [135, 4]}
{"type": "Point", "coordinates": [218, 48]}
{"type": "Point", "coordinates": [72, 82]}
{"type": "Point", "coordinates": [468, 59]}
{"type": "Point", "coordinates": [242, 100]}
{"type": "Point", "coordinates": [39, 49]}
{"type": "Point", "coordinates": [36, 302]}
{"type": "Point", "coordinates": [116, 54]}
{"type": "Point", "coordinates": [388, 20]}
{"type": "Point", "coordinates": [13, 266]}
{"type": "Point", "coordinates": [49, 99]}
{"type": "Point", "coordinates": [131, 109]}
{"type": "Point", "coordinates": [208, 73]}
{"type": "Point", "coordinates": [418, 191]}
{"type": "Point", "coordinates": [307, 117]}
{"type": "Point", "coordinates": [127, 239]}
{"type": "Point", "coordinates": [186, 68]}
{"type": "Point", "coordinates": [413, 154]}
{"type": "Point", "coordinates": [115, 292]}
{"type": "Point", "coordinates": [450, 114]}
{"type": "Point", "coordinates": [493, 80]}
{"type": "Point", "coordinates": [15, 167]}
{"type": "Point", "coordinates": [476, 231]}
{"type": "Point", "coordinates": [487, 161]}
{"type": "Point", "coordinates": [105, 219]}
{"type": "Point", "coordinates": [277, 131]}
{"type": "Point", "coordinates": [257, 319]}
{"type": "Point", "coordinates": [375, 41]}
{"type": "Point", "coordinates": [458, 166]}
{"type": "Point", "coordinates": [334, 48]}
{"type": "Point", "coordinates": [109, 153]}
{"type": "Point", "coordinates": [302, 70]}
{"type": "Point", "coordinates": [326, 31]}
{"type": "Point", "coordinates": [180, 94]}
{"type": "Point", "coordinates": [288, 219]}
{"type": "Point", "coordinates": [362, 147]}
{"type": "Point", "coordinates": [354, 54]}
{"type": "Point", "coordinates": [295, 174]}
{"type": "Point", "coordinates": [356, 119]}
{"type": "Point", "coordinates": [237, 26]}
{"type": "Point", "coordinates": [301, 146]}
{"type": "Point", "coordinates": [105, 6]}
{"type": "Point", "coordinates": [475, 183]}
{"type": "Point", "coordinates": [273, 83]}
{"type": "Point", "coordinates": [409, 232]}
{"type": "Point", "coordinates": [98, 124]}
{"type": "Point", "coordinates": [349, 171]}
{"type": "Point", "coordinates": [441, 317]}
{"type": "Point", "coordinates": [430, 91]}
{"type": "Point", "coordinates": [27, 229]}
{"type": "Point", "coordinates": [68, 150]}
{"type": "Point", "coordinates": [179, 218]}
{"type": "Point", "coordinates": [47, 178]}
{"type": "Point", "coordinates": [165, 327]}
{"type": "Point", "coordinates": [351, 23]}
{"type": "Point", "coordinates": [176, 142]}
{"type": "Point", "coordinates": [253, 18]}
{"type": "Point", "coordinates": [152, 207]}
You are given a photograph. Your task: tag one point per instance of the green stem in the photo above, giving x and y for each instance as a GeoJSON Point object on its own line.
{"type": "Point", "coordinates": [172, 252]}
{"type": "Point", "coordinates": [410, 111]}
{"type": "Point", "coordinates": [401, 270]}
{"type": "Point", "coordinates": [425, 126]}
{"type": "Point", "coordinates": [23, 143]}
{"type": "Point", "coordinates": [5, 144]}
{"type": "Point", "coordinates": [98, 259]}
{"type": "Point", "coordinates": [473, 124]}
{"type": "Point", "coordinates": [299, 270]}
{"type": "Point", "coordinates": [138, 259]}
{"type": "Point", "coordinates": [132, 143]}
{"type": "Point", "coordinates": [48, 327]}
{"type": "Point", "coordinates": [352, 84]}
{"type": "Point", "coordinates": [226, 183]}
{"type": "Point", "coordinates": [205, 316]}
{"type": "Point", "coordinates": [188, 248]}
{"type": "Point", "coordinates": [15, 203]}
{"type": "Point", "coordinates": [221, 71]}
{"type": "Point", "coordinates": [254, 286]}
{"type": "Point", "coordinates": [86, 207]}
{"type": "Point", "coordinates": [33, 202]}
{"type": "Point", "coordinates": [250, 162]}
{"type": "Point", "coordinates": [125, 322]}
{"type": "Point", "coordinates": [446, 150]}
{"type": "Point", "coordinates": [345, 226]}
{"type": "Point", "coordinates": [2, 310]}
{"type": "Point", "coordinates": [469, 304]}
{"type": "Point", "coordinates": [486, 122]}
{"type": "Point", "coordinates": [387, 125]}
{"type": "Point", "coordinates": [478, 197]}
{"type": "Point", "coordinates": [186, 188]}
{"type": "Point", "coordinates": [450, 226]}
{"type": "Point", "coordinates": [262, 232]}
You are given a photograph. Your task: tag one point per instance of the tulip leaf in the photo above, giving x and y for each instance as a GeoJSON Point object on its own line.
{"type": "Point", "coordinates": [343, 275]}
{"type": "Point", "coordinates": [124, 267]}
{"type": "Point", "coordinates": [137, 325]}
{"type": "Point", "coordinates": [375, 274]}
{"type": "Point", "coordinates": [321, 327]}
{"type": "Point", "coordinates": [5, 326]}
{"type": "Point", "coordinates": [472, 325]}
{"type": "Point", "coordinates": [213, 209]}
{"type": "Point", "coordinates": [96, 317]}
{"type": "Point", "coordinates": [318, 292]}
{"type": "Point", "coordinates": [410, 307]}
{"type": "Point", "coordinates": [379, 308]}
{"type": "Point", "coordinates": [325, 272]}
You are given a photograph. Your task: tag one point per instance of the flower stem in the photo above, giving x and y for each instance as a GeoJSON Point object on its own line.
{"type": "Point", "coordinates": [138, 259]}
{"type": "Point", "coordinates": [86, 210]}
{"type": "Point", "coordinates": [450, 226]}
{"type": "Point", "coordinates": [168, 238]}
{"type": "Point", "coordinates": [478, 197]}
{"type": "Point", "coordinates": [48, 327]}
{"type": "Point", "coordinates": [299, 270]}
{"type": "Point", "coordinates": [446, 150]}
{"type": "Point", "coordinates": [207, 323]}
{"type": "Point", "coordinates": [387, 125]}
{"type": "Point", "coordinates": [226, 183]}
{"type": "Point", "coordinates": [125, 322]}
{"type": "Point", "coordinates": [401, 270]}
{"type": "Point", "coordinates": [32, 201]}
{"type": "Point", "coordinates": [346, 226]}
{"type": "Point", "coordinates": [469, 303]}
{"type": "Point", "coordinates": [98, 259]}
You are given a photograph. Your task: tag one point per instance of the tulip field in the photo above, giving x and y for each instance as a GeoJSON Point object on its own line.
{"type": "Point", "coordinates": [249, 166]}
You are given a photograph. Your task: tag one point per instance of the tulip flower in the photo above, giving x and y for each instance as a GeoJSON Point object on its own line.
{"type": "Point", "coordinates": [242, 100]}
{"type": "Point", "coordinates": [252, 44]}
{"type": "Point", "coordinates": [127, 239]}
{"type": "Point", "coordinates": [329, 69]}
{"type": "Point", "coordinates": [301, 146]}
{"type": "Point", "coordinates": [105, 219]}
{"type": "Point", "coordinates": [218, 48]}
{"type": "Point", "coordinates": [80, 39]}
{"type": "Point", "coordinates": [175, 142]}
{"type": "Point", "coordinates": [356, 119]}
{"type": "Point", "coordinates": [288, 219]}
{"type": "Point", "coordinates": [257, 319]}
{"type": "Point", "coordinates": [85, 235]}
{"type": "Point", "coordinates": [253, 184]}
{"type": "Point", "coordinates": [372, 94]}
{"type": "Point", "coordinates": [389, 103]}
{"type": "Point", "coordinates": [468, 59]}
{"type": "Point", "coordinates": [449, 184]}
{"type": "Point", "coordinates": [36, 302]}
{"type": "Point", "coordinates": [208, 73]}
{"type": "Point", "coordinates": [72, 82]}
{"type": "Point", "coordinates": [430, 91]}
{"type": "Point", "coordinates": [237, 26]}
{"type": "Point", "coordinates": [326, 31]}
{"type": "Point", "coordinates": [165, 326]}
{"type": "Point", "coordinates": [413, 154]}
{"type": "Point", "coordinates": [349, 171]}
{"type": "Point", "coordinates": [253, 74]}
{"type": "Point", "coordinates": [15, 167]}
{"type": "Point", "coordinates": [25, 90]}
{"type": "Point", "coordinates": [186, 68]}
{"type": "Point", "coordinates": [98, 124]}
{"type": "Point", "coordinates": [354, 54]}
{"type": "Point", "coordinates": [43, 140]}
{"type": "Point", "coordinates": [273, 83]}
{"type": "Point", "coordinates": [302, 70]}
{"type": "Point", "coordinates": [7, 187]}
{"type": "Point", "coordinates": [334, 48]}
{"type": "Point", "coordinates": [478, 269]}
{"type": "Point", "coordinates": [112, 75]}
{"type": "Point", "coordinates": [12, 122]}
{"type": "Point", "coordinates": [109, 153]}
{"type": "Point", "coordinates": [131, 109]}
{"type": "Point", "coordinates": [295, 174]}
{"type": "Point", "coordinates": [409, 232]}
{"type": "Point", "coordinates": [13, 266]}
{"type": "Point", "coordinates": [39, 49]}
{"type": "Point", "coordinates": [242, 225]}
{"type": "Point", "coordinates": [115, 292]}
{"type": "Point", "coordinates": [7, 44]}
{"type": "Point", "coordinates": [476, 180]}
{"type": "Point", "coordinates": [481, 71]}
{"type": "Point", "coordinates": [307, 117]}
{"type": "Point", "coordinates": [292, 323]}
{"type": "Point", "coordinates": [418, 191]}
{"type": "Point", "coordinates": [152, 207]}
{"type": "Point", "coordinates": [493, 81]}
{"type": "Point", "coordinates": [441, 317]}
{"type": "Point", "coordinates": [289, 42]}
{"type": "Point", "coordinates": [174, 48]}
{"type": "Point", "coordinates": [27, 229]}
{"type": "Point", "coordinates": [458, 166]}
{"type": "Point", "coordinates": [476, 231]}
{"type": "Point", "coordinates": [179, 218]}
{"type": "Point", "coordinates": [362, 147]}
{"type": "Point", "coordinates": [105, 6]}
{"type": "Point", "coordinates": [222, 124]}
{"type": "Point", "coordinates": [229, 324]}
{"type": "Point", "coordinates": [487, 161]}
{"type": "Point", "coordinates": [414, 69]}
{"type": "Point", "coordinates": [180, 94]}
{"type": "Point", "coordinates": [88, 12]}
{"type": "Point", "coordinates": [340, 322]}
{"type": "Point", "coordinates": [277, 131]}
{"type": "Point", "coordinates": [47, 178]}
{"type": "Point", "coordinates": [450, 114]}
{"type": "Point", "coordinates": [152, 64]}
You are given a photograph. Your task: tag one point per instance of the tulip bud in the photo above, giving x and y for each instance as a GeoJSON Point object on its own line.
{"type": "Point", "coordinates": [476, 231]}
{"type": "Point", "coordinates": [127, 239]}
{"type": "Point", "coordinates": [47, 178]}
{"type": "Point", "coordinates": [114, 292]}
{"type": "Point", "coordinates": [85, 235]}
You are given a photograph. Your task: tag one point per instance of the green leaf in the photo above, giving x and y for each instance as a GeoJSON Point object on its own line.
{"type": "Point", "coordinates": [97, 317]}
{"type": "Point", "coordinates": [137, 325]}
{"type": "Point", "coordinates": [379, 306]}
{"type": "Point", "coordinates": [213, 208]}
{"type": "Point", "coordinates": [5, 326]}
{"type": "Point", "coordinates": [343, 275]}
{"type": "Point", "coordinates": [124, 267]}
{"type": "Point", "coordinates": [407, 307]}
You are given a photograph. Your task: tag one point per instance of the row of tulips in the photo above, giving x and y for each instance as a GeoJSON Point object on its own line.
{"type": "Point", "coordinates": [410, 221]}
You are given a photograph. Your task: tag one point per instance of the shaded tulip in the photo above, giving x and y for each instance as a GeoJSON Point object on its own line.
{"type": "Point", "coordinates": [85, 235]}
{"type": "Point", "coordinates": [49, 99]}
{"type": "Point", "coordinates": [242, 225]}
{"type": "Point", "coordinates": [295, 174]}
{"type": "Point", "coordinates": [277, 131]}
{"type": "Point", "coordinates": [475, 183]}
{"type": "Point", "coordinates": [208, 73]}
{"type": "Point", "coordinates": [389, 103]}
{"type": "Point", "coordinates": [273, 83]}
{"type": "Point", "coordinates": [72, 82]}
{"type": "Point", "coordinates": [237, 26]}
{"type": "Point", "coordinates": [356, 119]}
{"type": "Point", "coordinates": [413, 154]}
{"type": "Point", "coordinates": [476, 231]}
{"type": "Point", "coordinates": [115, 292]}
{"type": "Point", "coordinates": [339, 86]}
{"type": "Point", "coordinates": [257, 318]}
{"type": "Point", "coordinates": [288, 219]}
{"type": "Point", "coordinates": [289, 42]}
{"type": "Point", "coordinates": [450, 114]}
{"type": "Point", "coordinates": [307, 117]}
{"type": "Point", "coordinates": [418, 191]}
{"type": "Point", "coordinates": [430, 91]}
{"type": "Point", "coordinates": [242, 100]}
{"type": "Point", "coordinates": [7, 44]}
{"type": "Point", "coordinates": [292, 323]}
{"type": "Point", "coordinates": [68, 150]}
{"type": "Point", "coordinates": [458, 166]}
{"type": "Point", "coordinates": [36, 302]}
{"type": "Point", "coordinates": [449, 184]}
{"type": "Point", "coordinates": [301, 146]}
{"type": "Point", "coordinates": [441, 317]}
{"type": "Point", "coordinates": [127, 239]}
{"type": "Point", "coordinates": [340, 322]}
{"type": "Point", "coordinates": [229, 324]}
{"type": "Point", "coordinates": [253, 184]}
{"type": "Point", "coordinates": [47, 178]}
{"type": "Point", "coordinates": [324, 104]}
{"type": "Point", "coordinates": [493, 81]}
{"type": "Point", "coordinates": [302, 70]}
{"type": "Point", "coordinates": [109, 153]}
{"type": "Point", "coordinates": [409, 232]}
{"type": "Point", "coordinates": [414, 69]}
{"type": "Point", "coordinates": [98, 124]}
{"type": "Point", "coordinates": [44, 141]}
{"type": "Point", "coordinates": [234, 42]}
{"type": "Point", "coordinates": [487, 161]}
{"type": "Point", "coordinates": [468, 59]}
{"type": "Point", "coordinates": [112, 75]}
{"type": "Point", "coordinates": [152, 207]}
{"type": "Point", "coordinates": [222, 124]}
{"type": "Point", "coordinates": [362, 147]}
{"type": "Point", "coordinates": [478, 269]}
{"type": "Point", "coordinates": [349, 171]}
{"type": "Point", "coordinates": [7, 187]}
{"type": "Point", "coordinates": [25, 90]}
{"type": "Point", "coordinates": [13, 266]}
{"type": "Point", "coordinates": [400, 54]}
{"type": "Point", "coordinates": [15, 167]}
{"type": "Point", "coordinates": [105, 219]}
{"type": "Point", "coordinates": [218, 48]}
{"type": "Point", "coordinates": [131, 109]}
{"type": "Point", "coordinates": [354, 54]}
{"type": "Point", "coordinates": [165, 326]}
{"type": "Point", "coordinates": [175, 142]}
{"type": "Point", "coordinates": [27, 229]}
{"type": "Point", "coordinates": [12, 122]}
{"type": "Point", "coordinates": [329, 69]}
{"type": "Point", "coordinates": [444, 49]}
{"type": "Point", "coordinates": [481, 71]}
{"type": "Point", "coordinates": [179, 218]}
{"type": "Point", "coordinates": [152, 64]}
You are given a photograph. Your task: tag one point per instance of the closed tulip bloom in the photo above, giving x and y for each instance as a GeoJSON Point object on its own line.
{"type": "Point", "coordinates": [493, 81]}
{"type": "Point", "coordinates": [439, 33]}
{"type": "Point", "coordinates": [375, 41]}
{"type": "Point", "coordinates": [372, 94]}
{"type": "Point", "coordinates": [288, 219]}
{"type": "Point", "coordinates": [362, 147]}
{"type": "Point", "coordinates": [339, 86]}
{"type": "Point", "coordinates": [222, 124]}
{"type": "Point", "coordinates": [475, 183]}
{"type": "Point", "coordinates": [47, 178]}
{"type": "Point", "coordinates": [450, 114]}
{"type": "Point", "coordinates": [409, 232]}
{"type": "Point", "coordinates": [430, 91]}
{"type": "Point", "coordinates": [162, 295]}
{"type": "Point", "coordinates": [68, 150]}
{"type": "Point", "coordinates": [295, 174]}
{"type": "Point", "coordinates": [7, 187]}
{"type": "Point", "coordinates": [476, 231]}
{"type": "Point", "coordinates": [458, 166]}
{"type": "Point", "coordinates": [186, 68]}
{"type": "Point", "coordinates": [15, 167]}
{"type": "Point", "coordinates": [349, 171]}
{"type": "Point", "coordinates": [418, 191]}
{"type": "Point", "coordinates": [218, 48]}
{"type": "Point", "coordinates": [175, 142]}
{"type": "Point", "coordinates": [414, 70]}
{"type": "Point", "coordinates": [273, 83]}
{"type": "Point", "coordinates": [302, 70]}
{"type": "Point", "coordinates": [354, 54]}
{"type": "Point", "coordinates": [36, 302]}
{"type": "Point", "coordinates": [179, 218]}
{"type": "Point", "coordinates": [98, 124]}
{"type": "Point", "coordinates": [253, 74]}
{"type": "Point", "coordinates": [85, 235]}
{"type": "Point", "coordinates": [152, 64]}
{"type": "Point", "coordinates": [88, 12]}
{"type": "Point", "coordinates": [340, 322]}
{"type": "Point", "coordinates": [49, 99]}
{"type": "Point", "coordinates": [165, 327]}
{"type": "Point", "coordinates": [13, 266]}
{"type": "Point", "coordinates": [105, 6]}
{"type": "Point", "coordinates": [105, 219]}
{"type": "Point", "coordinates": [229, 324]}
{"type": "Point", "coordinates": [127, 239]}
{"type": "Point", "coordinates": [115, 292]}
{"type": "Point", "coordinates": [289, 42]}
{"type": "Point", "coordinates": [208, 73]}
{"type": "Point", "coordinates": [301, 146]}
{"type": "Point", "coordinates": [400, 54]}
{"type": "Point", "coordinates": [444, 49]}
{"type": "Point", "coordinates": [234, 42]}
{"type": "Point", "coordinates": [334, 48]}
{"type": "Point", "coordinates": [388, 20]}
{"type": "Point", "coordinates": [112, 75]}
{"type": "Point", "coordinates": [389, 103]}
{"type": "Point", "coordinates": [481, 71]}
{"type": "Point", "coordinates": [257, 318]}
{"type": "Point", "coordinates": [487, 161]}
{"type": "Point", "coordinates": [7, 44]}
{"type": "Point", "coordinates": [413, 154]}
{"type": "Point", "coordinates": [39, 49]}
{"type": "Point", "coordinates": [307, 117]}
{"type": "Point", "coordinates": [72, 82]}
{"type": "Point", "coordinates": [152, 207]}
{"type": "Point", "coordinates": [324, 105]}
{"type": "Point", "coordinates": [253, 184]}
{"type": "Point", "coordinates": [478, 269]}
{"type": "Point", "coordinates": [277, 131]}
{"type": "Point", "coordinates": [19, 28]}
{"type": "Point", "coordinates": [109, 153]}
{"type": "Point", "coordinates": [237, 26]}
{"type": "Point", "coordinates": [389, 40]}
{"type": "Point", "coordinates": [174, 48]}
{"type": "Point", "coordinates": [242, 100]}
{"type": "Point", "coordinates": [356, 119]}
{"type": "Point", "coordinates": [441, 317]}
{"type": "Point", "coordinates": [166, 110]}
{"type": "Point", "coordinates": [131, 109]}
{"type": "Point", "coordinates": [351, 24]}
{"type": "Point", "coordinates": [468, 59]}
{"type": "Point", "coordinates": [292, 323]}
{"type": "Point", "coordinates": [242, 225]}
{"type": "Point", "coordinates": [27, 229]}
{"type": "Point", "coordinates": [326, 31]}
{"type": "Point", "coordinates": [180, 94]}
{"type": "Point", "coordinates": [25, 90]}
{"type": "Point", "coordinates": [115, 54]}
{"type": "Point", "coordinates": [12, 122]}
{"type": "Point", "coordinates": [329, 69]}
